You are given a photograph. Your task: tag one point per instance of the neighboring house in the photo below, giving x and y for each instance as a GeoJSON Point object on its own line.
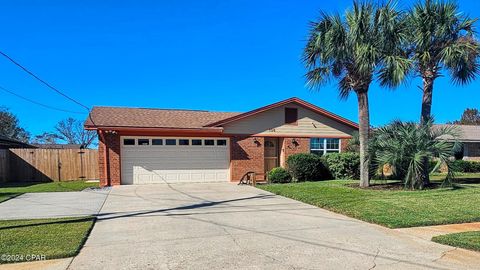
{"type": "Point", "coordinates": [139, 146]}
{"type": "Point", "coordinates": [6, 143]}
{"type": "Point", "coordinates": [469, 135]}
{"type": "Point", "coordinates": [58, 146]}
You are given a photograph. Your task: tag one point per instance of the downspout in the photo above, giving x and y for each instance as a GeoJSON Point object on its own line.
{"type": "Point", "coordinates": [105, 159]}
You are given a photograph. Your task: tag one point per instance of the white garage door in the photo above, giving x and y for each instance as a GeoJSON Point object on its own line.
{"type": "Point", "coordinates": [148, 160]}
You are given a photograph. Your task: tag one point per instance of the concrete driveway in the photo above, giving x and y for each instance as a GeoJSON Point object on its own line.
{"type": "Point", "coordinates": [54, 204]}
{"type": "Point", "coordinates": [224, 226]}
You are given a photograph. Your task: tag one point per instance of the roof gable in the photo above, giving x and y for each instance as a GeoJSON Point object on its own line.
{"type": "Point", "coordinates": [293, 100]}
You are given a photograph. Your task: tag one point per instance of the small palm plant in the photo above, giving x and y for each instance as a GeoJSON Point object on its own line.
{"type": "Point", "coordinates": [405, 145]}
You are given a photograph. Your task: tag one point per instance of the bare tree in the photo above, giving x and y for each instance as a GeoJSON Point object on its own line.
{"type": "Point", "coordinates": [469, 117]}
{"type": "Point", "coordinates": [71, 130]}
{"type": "Point", "coordinates": [46, 138]}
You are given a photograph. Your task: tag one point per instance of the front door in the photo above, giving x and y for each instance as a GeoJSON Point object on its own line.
{"type": "Point", "coordinates": [271, 154]}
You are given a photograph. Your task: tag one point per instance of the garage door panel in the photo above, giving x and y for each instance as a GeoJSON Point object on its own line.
{"type": "Point", "coordinates": [180, 165]}
{"type": "Point", "coordinates": [143, 164]}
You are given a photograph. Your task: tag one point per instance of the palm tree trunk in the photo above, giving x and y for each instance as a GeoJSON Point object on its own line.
{"type": "Point", "coordinates": [427, 99]}
{"type": "Point", "coordinates": [364, 129]}
{"type": "Point", "coordinates": [425, 116]}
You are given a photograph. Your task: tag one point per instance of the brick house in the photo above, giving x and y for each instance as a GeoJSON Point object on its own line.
{"type": "Point", "coordinates": [469, 135]}
{"type": "Point", "coordinates": [141, 146]}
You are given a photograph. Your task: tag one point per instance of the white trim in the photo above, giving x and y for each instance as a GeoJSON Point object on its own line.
{"type": "Point", "coordinates": [325, 150]}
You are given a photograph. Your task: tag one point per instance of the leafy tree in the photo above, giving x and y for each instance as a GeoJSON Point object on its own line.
{"type": "Point", "coordinates": [10, 126]}
{"type": "Point", "coordinates": [404, 146]}
{"type": "Point", "coordinates": [469, 117]}
{"type": "Point", "coordinates": [363, 45]}
{"type": "Point", "coordinates": [442, 38]}
{"type": "Point", "coordinates": [71, 130]}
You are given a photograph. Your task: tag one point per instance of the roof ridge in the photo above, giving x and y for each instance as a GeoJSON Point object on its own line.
{"type": "Point", "coordinates": [160, 109]}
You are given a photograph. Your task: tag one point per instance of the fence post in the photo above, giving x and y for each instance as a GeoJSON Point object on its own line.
{"type": "Point", "coordinates": [59, 165]}
{"type": "Point", "coordinates": [82, 172]}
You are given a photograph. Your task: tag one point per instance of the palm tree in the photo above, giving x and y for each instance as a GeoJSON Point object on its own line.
{"type": "Point", "coordinates": [441, 37]}
{"type": "Point", "coordinates": [405, 146]}
{"type": "Point", "coordinates": [356, 49]}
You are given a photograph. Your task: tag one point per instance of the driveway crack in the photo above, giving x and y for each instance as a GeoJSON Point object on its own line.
{"type": "Point", "coordinates": [374, 259]}
{"type": "Point", "coordinates": [443, 254]}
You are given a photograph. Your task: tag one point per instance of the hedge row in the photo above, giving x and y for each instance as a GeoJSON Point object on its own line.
{"type": "Point", "coordinates": [311, 167]}
{"type": "Point", "coordinates": [465, 166]}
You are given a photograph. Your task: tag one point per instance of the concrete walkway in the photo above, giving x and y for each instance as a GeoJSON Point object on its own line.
{"type": "Point", "coordinates": [57, 264]}
{"type": "Point", "coordinates": [427, 232]}
{"type": "Point", "coordinates": [224, 226]}
{"type": "Point", "coordinates": [53, 204]}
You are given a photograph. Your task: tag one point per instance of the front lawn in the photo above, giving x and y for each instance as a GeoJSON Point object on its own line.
{"type": "Point", "coordinates": [391, 208]}
{"type": "Point", "coordinates": [9, 190]}
{"type": "Point", "coordinates": [42, 238]}
{"type": "Point", "coordinates": [468, 240]}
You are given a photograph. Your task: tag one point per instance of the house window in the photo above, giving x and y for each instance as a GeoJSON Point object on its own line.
{"type": "Point", "coordinates": [128, 141]}
{"type": "Point", "coordinates": [143, 141]}
{"type": "Point", "coordinates": [322, 146]}
{"type": "Point", "coordinates": [170, 142]}
{"type": "Point", "coordinates": [221, 142]}
{"type": "Point", "coordinates": [209, 142]}
{"type": "Point", "coordinates": [183, 142]}
{"type": "Point", "coordinates": [157, 142]}
{"type": "Point", "coordinates": [291, 116]}
{"type": "Point", "coordinates": [196, 142]}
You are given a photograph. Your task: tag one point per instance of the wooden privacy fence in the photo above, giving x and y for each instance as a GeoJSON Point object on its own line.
{"type": "Point", "coordinates": [25, 165]}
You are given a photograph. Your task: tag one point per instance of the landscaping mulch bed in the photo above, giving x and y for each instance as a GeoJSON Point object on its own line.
{"type": "Point", "coordinates": [391, 186]}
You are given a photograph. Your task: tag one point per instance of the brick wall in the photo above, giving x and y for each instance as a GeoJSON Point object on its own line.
{"type": "Point", "coordinates": [344, 144]}
{"type": "Point", "coordinates": [246, 155]}
{"type": "Point", "coordinates": [112, 142]}
{"type": "Point", "coordinates": [290, 146]}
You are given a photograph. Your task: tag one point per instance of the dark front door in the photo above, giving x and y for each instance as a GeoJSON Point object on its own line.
{"type": "Point", "coordinates": [271, 153]}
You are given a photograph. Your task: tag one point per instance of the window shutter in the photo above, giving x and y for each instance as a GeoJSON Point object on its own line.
{"type": "Point", "coordinates": [291, 116]}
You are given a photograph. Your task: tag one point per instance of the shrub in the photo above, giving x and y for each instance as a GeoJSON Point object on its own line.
{"type": "Point", "coordinates": [343, 165]}
{"type": "Point", "coordinates": [307, 167]}
{"type": "Point", "coordinates": [465, 166]}
{"type": "Point", "coordinates": [279, 175]}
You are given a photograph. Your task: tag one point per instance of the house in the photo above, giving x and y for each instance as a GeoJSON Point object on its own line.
{"type": "Point", "coordinates": [469, 135]}
{"type": "Point", "coordinates": [140, 146]}
{"type": "Point", "coordinates": [6, 143]}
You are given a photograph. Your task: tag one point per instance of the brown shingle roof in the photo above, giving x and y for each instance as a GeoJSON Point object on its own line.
{"type": "Point", "coordinates": [466, 133]}
{"type": "Point", "coordinates": [152, 118]}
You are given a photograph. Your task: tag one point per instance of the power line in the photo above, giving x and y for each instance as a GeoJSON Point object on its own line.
{"type": "Point", "coordinates": [42, 81]}
{"type": "Point", "coordinates": [36, 102]}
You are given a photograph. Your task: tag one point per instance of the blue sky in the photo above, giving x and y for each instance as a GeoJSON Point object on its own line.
{"type": "Point", "coordinates": [220, 55]}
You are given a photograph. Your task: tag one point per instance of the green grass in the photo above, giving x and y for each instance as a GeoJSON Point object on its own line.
{"type": "Point", "coordinates": [468, 240]}
{"type": "Point", "coordinates": [9, 190]}
{"type": "Point", "coordinates": [460, 177]}
{"type": "Point", "coordinates": [52, 238]}
{"type": "Point", "coordinates": [391, 208]}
